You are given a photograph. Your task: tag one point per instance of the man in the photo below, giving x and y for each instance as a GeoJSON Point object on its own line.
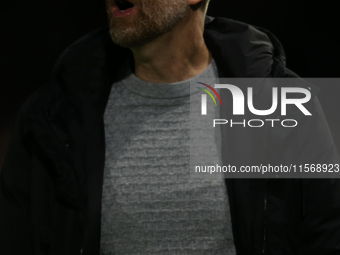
{"type": "Point", "coordinates": [97, 161]}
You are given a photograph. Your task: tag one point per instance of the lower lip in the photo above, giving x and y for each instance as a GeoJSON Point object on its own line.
{"type": "Point", "coordinates": [118, 14]}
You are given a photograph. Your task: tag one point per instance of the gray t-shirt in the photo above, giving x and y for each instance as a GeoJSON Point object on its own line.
{"type": "Point", "coordinates": [150, 204]}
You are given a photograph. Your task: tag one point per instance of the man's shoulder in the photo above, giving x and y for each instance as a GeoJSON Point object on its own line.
{"type": "Point", "coordinates": [80, 63]}
{"type": "Point", "coordinates": [246, 50]}
{"type": "Point", "coordinates": [95, 39]}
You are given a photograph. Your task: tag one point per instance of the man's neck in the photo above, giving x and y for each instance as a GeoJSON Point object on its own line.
{"type": "Point", "coordinates": [178, 55]}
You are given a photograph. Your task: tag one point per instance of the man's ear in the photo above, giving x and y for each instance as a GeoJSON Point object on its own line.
{"type": "Point", "coordinates": [195, 4]}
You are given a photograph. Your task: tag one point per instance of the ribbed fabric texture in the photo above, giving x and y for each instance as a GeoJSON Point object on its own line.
{"type": "Point", "coordinates": [150, 204]}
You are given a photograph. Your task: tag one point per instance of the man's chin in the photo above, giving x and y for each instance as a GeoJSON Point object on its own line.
{"type": "Point", "coordinates": [130, 38]}
{"type": "Point", "coordinates": [129, 43]}
{"type": "Point", "coordinates": [126, 42]}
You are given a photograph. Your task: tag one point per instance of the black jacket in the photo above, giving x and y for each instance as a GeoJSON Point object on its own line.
{"type": "Point", "coordinates": [51, 182]}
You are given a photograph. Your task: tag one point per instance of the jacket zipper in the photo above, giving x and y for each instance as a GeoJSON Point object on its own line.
{"type": "Point", "coordinates": [83, 233]}
{"type": "Point", "coordinates": [265, 197]}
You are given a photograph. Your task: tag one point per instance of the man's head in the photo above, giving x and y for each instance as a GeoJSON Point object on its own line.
{"type": "Point", "coordinates": [137, 22]}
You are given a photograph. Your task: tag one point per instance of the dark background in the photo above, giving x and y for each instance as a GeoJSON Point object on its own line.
{"type": "Point", "coordinates": [34, 33]}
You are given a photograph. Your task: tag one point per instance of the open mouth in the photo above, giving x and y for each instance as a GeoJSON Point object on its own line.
{"type": "Point", "coordinates": [123, 5]}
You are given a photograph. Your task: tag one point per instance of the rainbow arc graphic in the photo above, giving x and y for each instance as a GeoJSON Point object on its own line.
{"type": "Point", "coordinates": [204, 97]}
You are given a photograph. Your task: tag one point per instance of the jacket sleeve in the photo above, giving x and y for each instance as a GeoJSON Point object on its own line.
{"type": "Point", "coordinates": [15, 195]}
{"type": "Point", "coordinates": [318, 232]}
{"type": "Point", "coordinates": [320, 225]}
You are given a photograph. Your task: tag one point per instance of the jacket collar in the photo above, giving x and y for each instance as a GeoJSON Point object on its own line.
{"type": "Point", "coordinates": [86, 70]}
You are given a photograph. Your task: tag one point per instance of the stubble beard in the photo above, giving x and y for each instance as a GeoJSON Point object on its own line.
{"type": "Point", "coordinates": [154, 18]}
